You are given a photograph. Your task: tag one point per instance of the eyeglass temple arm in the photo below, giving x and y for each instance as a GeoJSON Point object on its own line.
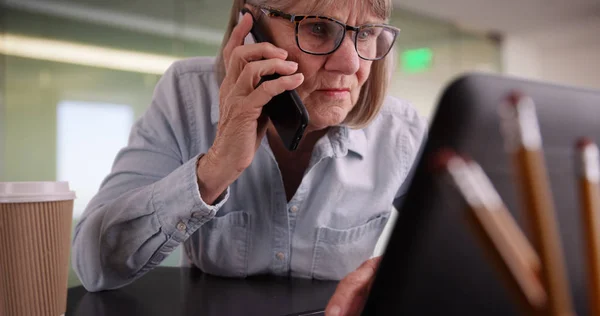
{"type": "Point", "coordinates": [275, 13]}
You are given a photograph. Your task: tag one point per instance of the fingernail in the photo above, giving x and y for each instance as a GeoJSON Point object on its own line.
{"type": "Point", "coordinates": [334, 311]}
{"type": "Point", "coordinates": [292, 64]}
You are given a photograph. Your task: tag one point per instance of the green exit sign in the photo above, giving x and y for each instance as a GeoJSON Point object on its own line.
{"type": "Point", "coordinates": [417, 60]}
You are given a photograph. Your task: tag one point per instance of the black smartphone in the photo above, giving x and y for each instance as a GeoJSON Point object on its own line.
{"type": "Point", "coordinates": [286, 111]}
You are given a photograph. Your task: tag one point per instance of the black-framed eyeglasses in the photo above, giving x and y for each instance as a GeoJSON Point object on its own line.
{"type": "Point", "coordinates": [321, 35]}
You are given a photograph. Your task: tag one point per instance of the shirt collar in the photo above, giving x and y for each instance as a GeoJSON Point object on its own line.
{"type": "Point", "coordinates": [358, 141]}
{"type": "Point", "coordinates": [344, 139]}
{"type": "Point", "coordinates": [214, 113]}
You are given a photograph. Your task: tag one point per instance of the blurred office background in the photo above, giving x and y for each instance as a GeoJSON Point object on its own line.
{"type": "Point", "coordinates": [76, 74]}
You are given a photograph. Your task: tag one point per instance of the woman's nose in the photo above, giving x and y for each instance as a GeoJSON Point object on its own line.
{"type": "Point", "coordinates": [345, 59]}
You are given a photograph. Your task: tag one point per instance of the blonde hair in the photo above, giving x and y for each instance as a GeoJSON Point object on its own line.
{"type": "Point", "coordinates": [373, 91]}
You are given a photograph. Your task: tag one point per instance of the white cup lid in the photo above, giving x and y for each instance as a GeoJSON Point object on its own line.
{"type": "Point", "coordinates": [22, 192]}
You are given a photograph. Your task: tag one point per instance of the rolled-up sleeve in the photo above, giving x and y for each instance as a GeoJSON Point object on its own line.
{"type": "Point", "coordinates": [150, 202]}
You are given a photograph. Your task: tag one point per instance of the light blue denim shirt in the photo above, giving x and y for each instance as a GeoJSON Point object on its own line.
{"type": "Point", "coordinates": [150, 202]}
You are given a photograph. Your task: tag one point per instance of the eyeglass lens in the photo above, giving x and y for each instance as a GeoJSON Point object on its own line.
{"type": "Point", "coordinates": [321, 36]}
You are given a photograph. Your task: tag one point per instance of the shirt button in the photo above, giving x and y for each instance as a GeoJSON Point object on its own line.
{"type": "Point", "coordinates": [280, 256]}
{"type": "Point", "coordinates": [294, 209]}
{"type": "Point", "coordinates": [181, 226]}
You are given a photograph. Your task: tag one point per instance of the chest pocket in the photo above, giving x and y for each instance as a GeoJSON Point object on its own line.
{"type": "Point", "coordinates": [339, 252]}
{"type": "Point", "coordinates": [220, 247]}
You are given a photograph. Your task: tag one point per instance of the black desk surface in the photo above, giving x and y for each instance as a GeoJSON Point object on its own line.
{"type": "Point", "coordinates": [184, 291]}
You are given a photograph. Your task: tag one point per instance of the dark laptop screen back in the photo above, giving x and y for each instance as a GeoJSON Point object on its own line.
{"type": "Point", "coordinates": [433, 262]}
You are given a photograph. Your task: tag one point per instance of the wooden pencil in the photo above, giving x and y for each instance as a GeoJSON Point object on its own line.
{"type": "Point", "coordinates": [506, 222]}
{"type": "Point", "coordinates": [523, 140]}
{"type": "Point", "coordinates": [516, 261]}
{"type": "Point", "coordinates": [589, 175]}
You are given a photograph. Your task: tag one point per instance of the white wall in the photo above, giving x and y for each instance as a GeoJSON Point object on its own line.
{"type": "Point", "coordinates": [569, 54]}
{"type": "Point", "coordinates": [520, 58]}
{"type": "Point", "coordinates": [578, 66]}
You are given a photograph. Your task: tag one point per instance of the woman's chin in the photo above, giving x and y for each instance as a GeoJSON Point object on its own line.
{"type": "Point", "coordinates": [324, 113]}
{"type": "Point", "coordinates": [320, 121]}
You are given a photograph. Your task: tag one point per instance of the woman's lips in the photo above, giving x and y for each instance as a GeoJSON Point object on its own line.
{"type": "Point", "coordinates": [335, 93]}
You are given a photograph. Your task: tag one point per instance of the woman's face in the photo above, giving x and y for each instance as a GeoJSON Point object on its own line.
{"type": "Point", "coordinates": [332, 83]}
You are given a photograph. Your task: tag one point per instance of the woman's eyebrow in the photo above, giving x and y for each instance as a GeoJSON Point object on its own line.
{"type": "Point", "coordinates": [371, 20]}
{"type": "Point", "coordinates": [319, 10]}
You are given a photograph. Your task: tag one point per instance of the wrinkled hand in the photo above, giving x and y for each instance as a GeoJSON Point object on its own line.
{"type": "Point", "coordinates": [241, 126]}
{"type": "Point", "coordinates": [351, 293]}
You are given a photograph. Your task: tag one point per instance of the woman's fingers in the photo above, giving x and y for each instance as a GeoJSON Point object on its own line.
{"type": "Point", "coordinates": [351, 293]}
{"type": "Point", "coordinates": [252, 74]}
{"type": "Point", "coordinates": [237, 36]}
{"type": "Point", "coordinates": [268, 89]}
{"type": "Point", "coordinates": [236, 55]}
{"type": "Point", "coordinates": [244, 54]}
{"type": "Point", "coordinates": [246, 64]}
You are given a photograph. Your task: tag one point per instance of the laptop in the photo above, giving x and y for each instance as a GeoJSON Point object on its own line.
{"type": "Point", "coordinates": [433, 263]}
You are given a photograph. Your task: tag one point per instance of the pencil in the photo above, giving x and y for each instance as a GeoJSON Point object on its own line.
{"type": "Point", "coordinates": [524, 142]}
{"type": "Point", "coordinates": [589, 176]}
{"type": "Point", "coordinates": [516, 261]}
{"type": "Point", "coordinates": [506, 223]}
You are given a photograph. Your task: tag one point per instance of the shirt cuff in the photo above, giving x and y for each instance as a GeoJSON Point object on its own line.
{"type": "Point", "coordinates": [179, 205]}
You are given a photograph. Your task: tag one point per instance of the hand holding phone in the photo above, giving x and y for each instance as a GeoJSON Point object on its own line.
{"type": "Point", "coordinates": [286, 110]}
{"type": "Point", "coordinates": [242, 124]}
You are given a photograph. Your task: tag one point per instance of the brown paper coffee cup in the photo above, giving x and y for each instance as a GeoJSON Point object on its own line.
{"type": "Point", "coordinates": [35, 234]}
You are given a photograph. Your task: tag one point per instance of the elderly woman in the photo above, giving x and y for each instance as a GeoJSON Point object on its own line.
{"type": "Point", "coordinates": [205, 170]}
